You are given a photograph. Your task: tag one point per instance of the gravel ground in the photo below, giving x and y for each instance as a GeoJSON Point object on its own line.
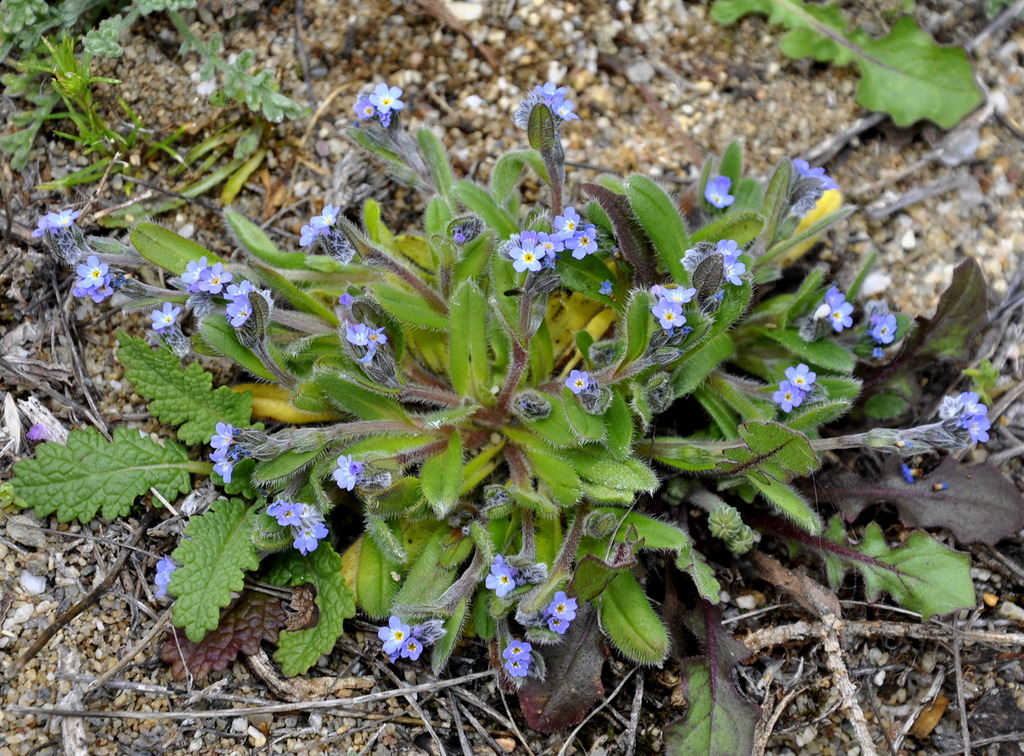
{"type": "Point", "coordinates": [656, 84]}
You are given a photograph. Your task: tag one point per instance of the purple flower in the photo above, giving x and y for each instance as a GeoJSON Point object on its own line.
{"type": "Point", "coordinates": [238, 311]}
{"type": "Point", "coordinates": [526, 254]}
{"type": "Point", "coordinates": [327, 218]}
{"type": "Point", "coordinates": [309, 538]}
{"type": "Point", "coordinates": [562, 606]}
{"type": "Point", "coordinates": [309, 235]}
{"type": "Point", "coordinates": [346, 475]}
{"type": "Point", "coordinates": [224, 436]}
{"type": "Point", "coordinates": [92, 273]}
{"type": "Point", "coordinates": [907, 473]}
{"type": "Point", "coordinates": [788, 396]}
{"type": "Point", "coordinates": [669, 314]}
{"type": "Point", "coordinates": [37, 432]}
{"type": "Point", "coordinates": [412, 649]}
{"type": "Point", "coordinates": [287, 512]}
{"type": "Point", "coordinates": [223, 465]}
{"type": "Point", "coordinates": [56, 221]}
{"type": "Point", "coordinates": [834, 297]}
{"type": "Point", "coordinates": [517, 658]}
{"type": "Point", "coordinates": [841, 317]}
{"type": "Point", "coordinates": [716, 192]}
{"type": "Point", "coordinates": [972, 404]}
{"type": "Point", "coordinates": [551, 94]}
{"type": "Point", "coordinates": [733, 269]}
{"type": "Point", "coordinates": [552, 244]}
{"type": "Point", "coordinates": [558, 625]}
{"type": "Point", "coordinates": [583, 243]}
{"type": "Point", "coordinates": [345, 300]}
{"type": "Point", "coordinates": [241, 289]}
{"type": "Point", "coordinates": [977, 426]}
{"type": "Point", "coordinates": [606, 288]}
{"type": "Point", "coordinates": [365, 109]}
{"type": "Point", "coordinates": [674, 293]}
{"type": "Point", "coordinates": [568, 221]}
{"type": "Point", "coordinates": [801, 376]}
{"type": "Point", "coordinates": [502, 577]}
{"type": "Point", "coordinates": [214, 279]}
{"type": "Point", "coordinates": [884, 329]}
{"type": "Point", "coordinates": [577, 381]}
{"type": "Point", "coordinates": [394, 635]}
{"type": "Point", "coordinates": [805, 170]}
{"type": "Point", "coordinates": [358, 334]}
{"type": "Point", "coordinates": [565, 111]}
{"type": "Point", "coordinates": [385, 99]}
{"type": "Point", "coordinates": [164, 568]}
{"type": "Point", "coordinates": [96, 294]}
{"type": "Point", "coordinates": [728, 248]}
{"type": "Point", "coordinates": [164, 317]}
{"type": "Point", "coordinates": [193, 272]}
{"type": "Point", "coordinates": [518, 667]}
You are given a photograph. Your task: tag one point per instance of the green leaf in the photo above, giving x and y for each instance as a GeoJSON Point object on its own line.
{"type": "Point", "coordinates": [408, 306]}
{"type": "Point", "coordinates": [630, 623]}
{"type": "Point", "coordinates": [437, 162]}
{"type": "Point", "coordinates": [300, 650]}
{"type": "Point", "coordinates": [480, 202]}
{"type": "Point", "coordinates": [259, 245]}
{"type": "Point", "coordinates": [168, 250]}
{"type": "Point", "coordinates": [211, 565]}
{"type": "Point", "coordinates": [508, 169]}
{"type": "Point", "coordinates": [905, 74]}
{"type": "Point", "coordinates": [773, 451]}
{"type": "Point", "coordinates": [790, 503]}
{"type": "Point", "coordinates": [181, 396]}
{"type": "Point", "coordinates": [660, 218]}
{"type": "Point", "coordinates": [89, 474]}
{"type": "Point", "coordinates": [556, 473]}
{"type": "Point", "coordinates": [285, 465]}
{"type": "Point", "coordinates": [922, 574]}
{"type": "Point", "coordinates": [701, 361]}
{"type": "Point", "coordinates": [585, 426]}
{"type": "Point", "coordinates": [351, 395]}
{"type": "Point", "coordinates": [218, 335]}
{"type": "Point", "coordinates": [741, 227]}
{"type": "Point", "coordinates": [441, 477]}
{"type": "Point", "coordinates": [824, 353]}
{"type": "Point", "coordinates": [632, 236]}
{"type": "Point", "coordinates": [452, 632]}
{"type": "Point", "coordinates": [299, 299]}
{"type": "Point", "coordinates": [639, 323]}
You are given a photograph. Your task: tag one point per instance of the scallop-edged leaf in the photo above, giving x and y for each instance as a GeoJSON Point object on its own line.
{"type": "Point", "coordinates": [630, 622]}
{"type": "Point", "coordinates": [773, 451]}
{"type": "Point", "coordinates": [299, 650]}
{"type": "Point", "coordinates": [168, 250]}
{"type": "Point", "coordinates": [90, 474]}
{"type": "Point", "coordinates": [441, 477]}
{"type": "Point", "coordinates": [211, 565]}
{"type": "Point", "coordinates": [181, 396]}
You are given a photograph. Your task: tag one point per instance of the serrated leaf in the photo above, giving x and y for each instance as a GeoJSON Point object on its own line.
{"type": "Point", "coordinates": [572, 683]}
{"type": "Point", "coordinates": [773, 451]}
{"type": "Point", "coordinates": [255, 617]}
{"type": "Point", "coordinates": [91, 474]}
{"type": "Point", "coordinates": [630, 622]}
{"type": "Point", "coordinates": [300, 650]}
{"type": "Point", "coordinates": [977, 503]}
{"type": "Point", "coordinates": [905, 74]}
{"type": "Point", "coordinates": [181, 396]}
{"type": "Point", "coordinates": [211, 565]}
{"type": "Point", "coordinates": [922, 574]}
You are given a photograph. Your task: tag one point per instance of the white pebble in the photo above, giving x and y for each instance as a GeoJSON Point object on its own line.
{"type": "Point", "coordinates": [257, 738]}
{"type": "Point", "coordinates": [239, 724]}
{"type": "Point", "coordinates": [473, 102]}
{"type": "Point", "coordinates": [909, 240]}
{"type": "Point", "coordinates": [19, 616]}
{"type": "Point", "coordinates": [33, 584]}
{"type": "Point", "coordinates": [746, 602]}
{"type": "Point", "coordinates": [875, 283]}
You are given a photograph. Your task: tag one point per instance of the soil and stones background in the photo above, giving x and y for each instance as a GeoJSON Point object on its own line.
{"type": "Point", "coordinates": [658, 85]}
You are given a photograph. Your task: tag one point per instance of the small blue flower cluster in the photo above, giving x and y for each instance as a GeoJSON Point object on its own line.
{"type": "Point", "coordinates": [798, 384]}
{"type": "Point", "coordinates": [324, 229]}
{"type": "Point", "coordinates": [669, 307]}
{"type": "Point", "coordinates": [55, 222]}
{"type": "Point", "coordinates": [381, 103]}
{"type": "Point", "coordinates": [402, 641]}
{"type": "Point", "coordinates": [881, 328]}
{"type": "Point", "coordinates": [732, 268]}
{"type": "Point", "coordinates": [518, 657]}
{"type": "Point", "coordinates": [502, 579]}
{"type": "Point", "coordinates": [361, 334]}
{"type": "Point", "coordinates": [348, 472]}
{"type": "Point", "coordinates": [560, 612]}
{"type": "Point", "coordinates": [164, 568]}
{"type": "Point", "coordinates": [306, 522]}
{"type": "Point", "coordinates": [201, 277]}
{"type": "Point", "coordinates": [94, 278]}
{"type": "Point", "coordinates": [805, 170]}
{"type": "Point", "coordinates": [970, 414]}
{"type": "Point", "coordinates": [839, 311]}
{"type": "Point", "coordinates": [551, 95]}
{"type": "Point", "coordinates": [226, 453]}
{"type": "Point", "coordinates": [533, 250]}
{"type": "Point", "coordinates": [716, 192]}
{"type": "Point", "coordinates": [578, 380]}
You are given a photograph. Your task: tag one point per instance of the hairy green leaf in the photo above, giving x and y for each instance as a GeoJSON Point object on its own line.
{"type": "Point", "coordinates": [630, 622]}
{"type": "Point", "coordinates": [660, 218]}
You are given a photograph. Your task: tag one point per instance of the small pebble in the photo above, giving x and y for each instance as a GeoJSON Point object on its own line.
{"type": "Point", "coordinates": [33, 584]}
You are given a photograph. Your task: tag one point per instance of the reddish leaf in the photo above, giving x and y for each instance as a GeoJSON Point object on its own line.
{"type": "Point", "coordinates": [573, 681]}
{"type": "Point", "coordinates": [980, 505]}
{"type": "Point", "coordinates": [248, 621]}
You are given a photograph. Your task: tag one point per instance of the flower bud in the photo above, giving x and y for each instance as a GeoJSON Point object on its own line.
{"type": "Point", "coordinates": [531, 405]}
{"type": "Point", "coordinates": [743, 541]}
{"type": "Point", "coordinates": [725, 522]}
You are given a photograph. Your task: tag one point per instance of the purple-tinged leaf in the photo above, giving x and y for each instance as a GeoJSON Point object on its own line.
{"type": "Point", "coordinates": [977, 503]}
{"type": "Point", "coordinates": [573, 681]}
{"type": "Point", "coordinates": [633, 240]}
{"type": "Point", "coordinates": [718, 721]}
{"type": "Point", "coordinates": [250, 620]}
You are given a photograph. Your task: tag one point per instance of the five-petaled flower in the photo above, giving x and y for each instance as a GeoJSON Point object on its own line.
{"type": "Point", "coordinates": [56, 221]}
{"type": "Point", "coordinates": [213, 279]}
{"type": "Point", "coordinates": [669, 314]}
{"type": "Point", "coordinates": [583, 243]}
{"type": "Point", "coordinates": [346, 475]}
{"type": "Point", "coordinates": [716, 192]}
{"type": "Point", "coordinates": [517, 658]}
{"type": "Point", "coordinates": [560, 612]}
{"type": "Point", "coordinates": [805, 170]}
{"type": "Point", "coordinates": [502, 577]}
{"type": "Point", "coordinates": [385, 98]}
{"type": "Point", "coordinates": [884, 329]}
{"type": "Point", "coordinates": [788, 396]}
{"type": "Point", "coordinates": [527, 254]}
{"type": "Point", "coordinates": [578, 381]}
{"type": "Point", "coordinates": [287, 512]}
{"type": "Point", "coordinates": [840, 310]}
{"type": "Point", "coordinates": [394, 635]}
{"type": "Point", "coordinates": [193, 272]}
{"type": "Point", "coordinates": [92, 273]}
{"type": "Point", "coordinates": [309, 538]}
{"type": "Point", "coordinates": [165, 316]}
{"type": "Point", "coordinates": [801, 376]}
{"type": "Point", "coordinates": [568, 221]}
{"type": "Point", "coordinates": [224, 436]}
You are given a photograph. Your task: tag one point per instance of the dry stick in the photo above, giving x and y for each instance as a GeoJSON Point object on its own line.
{"type": "Point", "coordinates": [961, 699]}
{"type": "Point", "coordinates": [998, 23]}
{"type": "Point", "coordinates": [926, 699]}
{"type": "Point", "coordinates": [766, 726]}
{"type": "Point", "coordinates": [72, 730]}
{"type": "Point", "coordinates": [415, 705]}
{"type": "Point", "coordinates": [634, 715]}
{"type": "Point", "coordinates": [512, 721]}
{"type": "Point", "coordinates": [132, 652]}
{"type": "Point", "coordinates": [467, 749]}
{"type": "Point", "coordinates": [93, 595]}
{"type": "Point", "coordinates": [611, 697]}
{"type": "Point", "coordinates": [484, 707]}
{"type": "Point", "coordinates": [480, 728]}
{"type": "Point", "coordinates": [832, 626]}
{"type": "Point", "coordinates": [7, 367]}
{"type": "Point", "coordinates": [828, 149]}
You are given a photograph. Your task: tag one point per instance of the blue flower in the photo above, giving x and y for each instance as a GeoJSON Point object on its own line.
{"type": "Point", "coordinates": [309, 538]}
{"type": "Point", "coordinates": [839, 310]}
{"type": "Point", "coordinates": [345, 300]}
{"type": "Point", "coordinates": [193, 272]}
{"type": "Point", "coordinates": [805, 170]}
{"type": "Point", "coordinates": [164, 317]}
{"type": "Point", "coordinates": [788, 396]}
{"type": "Point", "coordinates": [309, 235]}
{"type": "Point", "coordinates": [224, 436]}
{"type": "Point", "coordinates": [834, 297]}
{"type": "Point", "coordinates": [346, 475]}
{"type": "Point", "coordinates": [977, 426]}
{"type": "Point", "coordinates": [517, 650]}
{"type": "Point", "coordinates": [526, 254]}
{"type": "Point", "coordinates": [716, 192]}
{"type": "Point", "coordinates": [557, 625]}
{"type": "Point", "coordinates": [972, 404]}
{"type": "Point", "coordinates": [412, 649]}
{"type": "Point", "coordinates": [223, 465]}
{"type": "Point", "coordinates": [365, 109]}
{"type": "Point", "coordinates": [606, 288]}
{"type": "Point", "coordinates": [517, 658]}
{"type": "Point", "coordinates": [394, 635]}
{"type": "Point", "coordinates": [674, 293]}
{"type": "Point", "coordinates": [92, 273]}
{"type": "Point", "coordinates": [565, 111]}
{"type": "Point", "coordinates": [577, 381]}
{"type": "Point", "coordinates": [568, 221]}
{"type": "Point", "coordinates": [214, 279]}
{"type": "Point", "coordinates": [562, 608]}
{"type": "Point", "coordinates": [385, 99]}
{"type": "Point", "coordinates": [56, 221]}
{"type": "Point", "coordinates": [801, 376]}
{"type": "Point", "coordinates": [583, 243]}
{"type": "Point", "coordinates": [96, 294]}
{"type": "Point", "coordinates": [877, 353]}
{"type": "Point", "coordinates": [907, 473]}
{"type": "Point", "coordinates": [238, 311]}
{"type": "Point", "coordinates": [733, 269]}
{"type": "Point", "coordinates": [164, 568]}
{"type": "Point", "coordinates": [669, 314]}
{"type": "Point", "coordinates": [358, 334]}
{"type": "Point", "coordinates": [287, 512]}
{"type": "Point", "coordinates": [502, 577]}
{"type": "Point", "coordinates": [327, 218]}
{"type": "Point", "coordinates": [884, 329]}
